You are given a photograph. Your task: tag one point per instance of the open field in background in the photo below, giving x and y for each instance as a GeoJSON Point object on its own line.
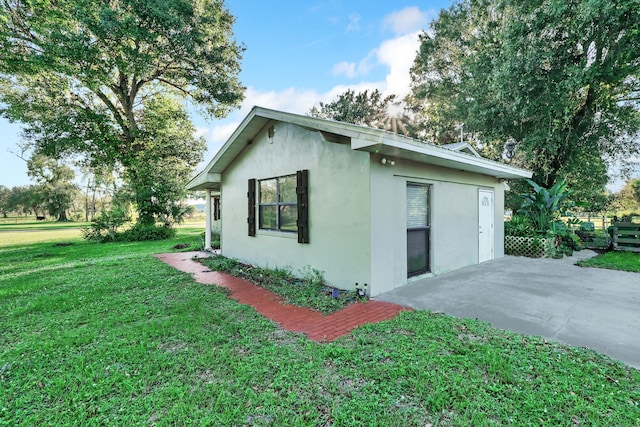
{"type": "Point", "coordinates": [106, 334]}
{"type": "Point", "coordinates": [39, 232]}
{"type": "Point", "coordinates": [25, 232]}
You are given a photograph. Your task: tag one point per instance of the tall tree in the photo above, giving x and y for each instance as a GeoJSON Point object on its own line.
{"type": "Point", "coordinates": [26, 199]}
{"type": "Point", "coordinates": [627, 200]}
{"type": "Point", "coordinates": [635, 186]}
{"type": "Point", "coordinates": [80, 73]}
{"type": "Point", "coordinates": [4, 200]}
{"type": "Point", "coordinates": [56, 186]}
{"type": "Point", "coordinates": [560, 77]}
{"type": "Point", "coordinates": [161, 172]}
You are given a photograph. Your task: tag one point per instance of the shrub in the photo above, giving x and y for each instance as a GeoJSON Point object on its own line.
{"type": "Point", "coordinates": [539, 215]}
{"type": "Point", "coordinates": [542, 206]}
{"type": "Point", "coordinates": [145, 232]}
{"type": "Point", "coordinates": [519, 226]}
{"type": "Point", "coordinates": [105, 226]}
{"type": "Point", "coordinates": [566, 240]}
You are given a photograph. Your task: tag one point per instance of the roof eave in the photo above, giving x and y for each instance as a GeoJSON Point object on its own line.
{"type": "Point", "coordinates": [434, 155]}
{"type": "Point", "coordinates": [362, 138]}
{"type": "Point", "coordinates": [205, 181]}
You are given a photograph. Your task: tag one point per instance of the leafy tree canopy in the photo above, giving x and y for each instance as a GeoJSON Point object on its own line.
{"type": "Point", "coordinates": [81, 74]}
{"type": "Point", "coordinates": [367, 108]}
{"type": "Point", "coordinates": [56, 189]}
{"type": "Point", "coordinates": [157, 182]}
{"type": "Point", "coordinates": [560, 77]}
{"type": "Point", "coordinates": [627, 200]}
{"type": "Point", "coordinates": [5, 207]}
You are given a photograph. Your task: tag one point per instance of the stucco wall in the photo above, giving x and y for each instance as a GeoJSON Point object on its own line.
{"type": "Point", "coordinates": [338, 206]}
{"type": "Point", "coordinates": [454, 219]}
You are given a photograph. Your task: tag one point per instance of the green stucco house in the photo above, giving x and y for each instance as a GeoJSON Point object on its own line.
{"type": "Point", "coordinates": [361, 205]}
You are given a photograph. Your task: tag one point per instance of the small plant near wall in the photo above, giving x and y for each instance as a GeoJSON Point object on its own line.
{"type": "Point", "coordinates": [519, 226]}
{"type": "Point", "coordinates": [306, 289]}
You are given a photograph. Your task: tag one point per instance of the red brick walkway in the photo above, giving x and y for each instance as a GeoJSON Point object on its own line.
{"type": "Point", "coordinates": [312, 323]}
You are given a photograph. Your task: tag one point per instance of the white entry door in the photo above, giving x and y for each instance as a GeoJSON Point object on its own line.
{"type": "Point", "coordinates": [485, 222]}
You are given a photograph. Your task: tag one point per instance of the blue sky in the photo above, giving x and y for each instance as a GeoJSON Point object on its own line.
{"type": "Point", "coordinates": [299, 53]}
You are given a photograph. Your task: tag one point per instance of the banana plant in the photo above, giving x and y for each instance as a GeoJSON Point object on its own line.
{"type": "Point", "coordinates": [543, 205]}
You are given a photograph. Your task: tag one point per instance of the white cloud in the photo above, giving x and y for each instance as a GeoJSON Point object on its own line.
{"type": "Point", "coordinates": [354, 22]}
{"type": "Point", "coordinates": [292, 100]}
{"type": "Point", "coordinates": [200, 132]}
{"type": "Point", "coordinates": [351, 70]}
{"type": "Point", "coordinates": [408, 20]}
{"type": "Point", "coordinates": [398, 54]}
{"type": "Point", "coordinates": [346, 68]}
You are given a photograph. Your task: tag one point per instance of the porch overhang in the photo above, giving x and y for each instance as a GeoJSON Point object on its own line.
{"type": "Point", "coordinates": [205, 181]}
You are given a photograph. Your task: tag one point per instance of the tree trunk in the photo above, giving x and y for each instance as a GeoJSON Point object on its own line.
{"type": "Point", "coordinates": [93, 203]}
{"type": "Point", "coordinates": [62, 216]}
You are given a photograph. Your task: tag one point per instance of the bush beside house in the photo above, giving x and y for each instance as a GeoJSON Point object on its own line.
{"type": "Point", "coordinates": [536, 230]}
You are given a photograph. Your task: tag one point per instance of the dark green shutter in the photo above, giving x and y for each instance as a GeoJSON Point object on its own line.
{"type": "Point", "coordinates": [251, 198]}
{"type": "Point", "coordinates": [216, 208]}
{"type": "Point", "coordinates": [302, 190]}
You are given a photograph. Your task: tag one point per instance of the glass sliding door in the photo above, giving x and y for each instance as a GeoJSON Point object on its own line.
{"type": "Point", "coordinates": [418, 229]}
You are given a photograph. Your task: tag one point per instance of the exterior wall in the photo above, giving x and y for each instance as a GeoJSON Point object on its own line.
{"type": "Point", "coordinates": [338, 206]}
{"type": "Point", "coordinates": [454, 219]}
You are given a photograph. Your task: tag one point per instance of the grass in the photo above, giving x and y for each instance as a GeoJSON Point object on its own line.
{"type": "Point", "coordinates": [38, 232]}
{"type": "Point", "coordinates": [105, 334]}
{"type": "Point", "coordinates": [616, 260]}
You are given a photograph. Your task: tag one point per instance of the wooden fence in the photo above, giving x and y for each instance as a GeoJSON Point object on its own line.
{"type": "Point", "coordinates": [626, 236]}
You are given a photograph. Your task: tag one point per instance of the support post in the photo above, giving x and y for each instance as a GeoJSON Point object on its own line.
{"type": "Point", "coordinates": [207, 214]}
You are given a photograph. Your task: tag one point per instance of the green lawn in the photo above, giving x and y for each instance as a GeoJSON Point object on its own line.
{"type": "Point", "coordinates": [108, 335]}
{"type": "Point", "coordinates": [619, 260]}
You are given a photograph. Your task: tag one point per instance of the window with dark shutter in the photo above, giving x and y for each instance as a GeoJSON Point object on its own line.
{"type": "Point", "coordinates": [282, 205]}
{"type": "Point", "coordinates": [216, 208]}
{"type": "Point", "coordinates": [251, 199]}
{"type": "Point", "coordinates": [302, 191]}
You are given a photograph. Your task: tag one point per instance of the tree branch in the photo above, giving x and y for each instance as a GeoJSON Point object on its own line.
{"type": "Point", "coordinates": [116, 114]}
{"type": "Point", "coordinates": [174, 85]}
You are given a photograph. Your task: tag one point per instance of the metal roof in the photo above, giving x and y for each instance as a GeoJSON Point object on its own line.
{"type": "Point", "coordinates": [362, 138]}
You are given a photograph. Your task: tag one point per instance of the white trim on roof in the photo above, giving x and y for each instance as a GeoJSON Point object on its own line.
{"type": "Point", "coordinates": [463, 147]}
{"type": "Point", "coordinates": [362, 138]}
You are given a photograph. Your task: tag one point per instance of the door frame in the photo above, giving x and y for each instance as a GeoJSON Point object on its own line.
{"type": "Point", "coordinates": [491, 227]}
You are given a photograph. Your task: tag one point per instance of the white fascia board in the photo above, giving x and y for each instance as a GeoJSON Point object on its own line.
{"type": "Point", "coordinates": [447, 158]}
{"type": "Point", "coordinates": [365, 141]}
{"type": "Point", "coordinates": [204, 181]}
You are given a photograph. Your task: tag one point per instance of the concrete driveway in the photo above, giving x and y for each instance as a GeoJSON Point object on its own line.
{"type": "Point", "coordinates": [586, 307]}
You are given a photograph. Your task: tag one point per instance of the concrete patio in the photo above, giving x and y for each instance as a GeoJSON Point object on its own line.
{"type": "Point", "coordinates": [587, 307]}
